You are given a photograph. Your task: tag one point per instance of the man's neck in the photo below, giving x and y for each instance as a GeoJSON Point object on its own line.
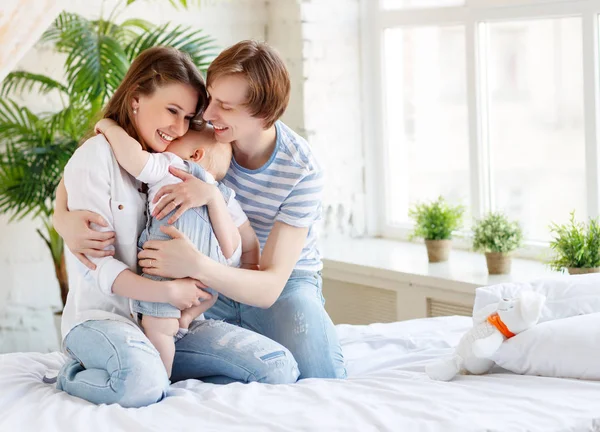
{"type": "Point", "coordinates": [253, 152]}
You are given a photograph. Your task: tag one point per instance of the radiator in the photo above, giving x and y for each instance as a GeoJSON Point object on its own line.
{"type": "Point", "coordinates": [349, 303]}
{"type": "Point", "coordinates": [436, 308]}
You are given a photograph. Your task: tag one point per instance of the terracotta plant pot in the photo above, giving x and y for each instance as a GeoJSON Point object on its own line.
{"type": "Point", "coordinates": [577, 270]}
{"type": "Point", "coordinates": [438, 250]}
{"type": "Point", "coordinates": [498, 263]}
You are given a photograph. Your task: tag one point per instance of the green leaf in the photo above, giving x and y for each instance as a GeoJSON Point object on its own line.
{"type": "Point", "coordinates": [19, 126]}
{"type": "Point", "coordinates": [200, 47]}
{"type": "Point", "coordinates": [21, 82]}
{"type": "Point", "coordinates": [436, 220]}
{"type": "Point", "coordinates": [496, 233]}
{"type": "Point", "coordinates": [575, 244]}
{"type": "Point", "coordinates": [96, 66]}
{"type": "Point", "coordinates": [62, 30]}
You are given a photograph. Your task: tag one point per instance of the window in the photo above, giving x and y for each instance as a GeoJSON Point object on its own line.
{"type": "Point", "coordinates": [425, 81]}
{"type": "Point", "coordinates": [413, 4]}
{"type": "Point", "coordinates": [490, 103]}
{"type": "Point", "coordinates": [536, 134]}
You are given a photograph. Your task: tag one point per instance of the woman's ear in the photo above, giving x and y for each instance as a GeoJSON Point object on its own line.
{"type": "Point", "coordinates": [135, 103]}
{"type": "Point", "coordinates": [198, 155]}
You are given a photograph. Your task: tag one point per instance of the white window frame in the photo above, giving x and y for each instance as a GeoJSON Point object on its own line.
{"type": "Point", "coordinates": [374, 20]}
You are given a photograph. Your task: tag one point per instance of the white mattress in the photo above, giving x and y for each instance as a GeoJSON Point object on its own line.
{"type": "Point", "coordinates": [387, 390]}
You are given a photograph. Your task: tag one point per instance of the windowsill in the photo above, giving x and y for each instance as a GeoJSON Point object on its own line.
{"type": "Point", "coordinates": [407, 262]}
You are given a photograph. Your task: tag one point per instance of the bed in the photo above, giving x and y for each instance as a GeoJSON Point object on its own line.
{"type": "Point", "coordinates": [387, 390]}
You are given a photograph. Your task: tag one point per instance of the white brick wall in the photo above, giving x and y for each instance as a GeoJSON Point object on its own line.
{"type": "Point", "coordinates": [319, 41]}
{"type": "Point", "coordinates": [331, 46]}
{"type": "Point", "coordinates": [284, 32]}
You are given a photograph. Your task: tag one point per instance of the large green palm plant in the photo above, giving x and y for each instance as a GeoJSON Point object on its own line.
{"type": "Point", "coordinates": [34, 147]}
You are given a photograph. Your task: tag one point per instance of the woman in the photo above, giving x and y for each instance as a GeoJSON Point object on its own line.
{"type": "Point", "coordinates": [111, 359]}
{"type": "Point", "coordinates": [278, 183]}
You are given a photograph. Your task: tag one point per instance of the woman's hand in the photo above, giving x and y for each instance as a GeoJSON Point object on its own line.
{"type": "Point", "coordinates": [191, 193]}
{"type": "Point", "coordinates": [82, 239]}
{"type": "Point", "coordinates": [185, 293]}
{"type": "Point", "coordinates": [177, 258]}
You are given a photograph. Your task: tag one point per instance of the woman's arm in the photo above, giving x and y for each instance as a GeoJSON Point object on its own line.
{"type": "Point", "coordinates": [179, 258]}
{"type": "Point", "coordinates": [75, 229]}
{"type": "Point", "coordinates": [128, 151]}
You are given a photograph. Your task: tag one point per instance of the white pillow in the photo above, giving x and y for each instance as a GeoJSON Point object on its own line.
{"type": "Point", "coordinates": [566, 296]}
{"type": "Point", "coordinates": [564, 348]}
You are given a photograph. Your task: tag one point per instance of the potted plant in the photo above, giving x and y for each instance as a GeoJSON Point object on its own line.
{"type": "Point", "coordinates": [434, 222]}
{"type": "Point", "coordinates": [36, 146]}
{"type": "Point", "coordinates": [576, 246]}
{"type": "Point", "coordinates": [497, 237]}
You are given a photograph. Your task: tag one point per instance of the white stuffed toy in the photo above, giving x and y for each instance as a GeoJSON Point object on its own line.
{"type": "Point", "coordinates": [492, 325]}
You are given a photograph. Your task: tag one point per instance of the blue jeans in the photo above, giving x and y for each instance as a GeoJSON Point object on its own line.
{"type": "Point", "coordinates": [297, 320]}
{"type": "Point", "coordinates": [114, 362]}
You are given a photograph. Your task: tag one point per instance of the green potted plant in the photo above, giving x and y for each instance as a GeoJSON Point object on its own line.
{"type": "Point", "coordinates": [36, 146]}
{"type": "Point", "coordinates": [434, 222]}
{"type": "Point", "coordinates": [576, 246]}
{"type": "Point", "coordinates": [497, 237]}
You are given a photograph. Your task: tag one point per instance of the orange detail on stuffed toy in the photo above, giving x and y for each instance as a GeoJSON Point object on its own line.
{"type": "Point", "coordinates": [495, 320]}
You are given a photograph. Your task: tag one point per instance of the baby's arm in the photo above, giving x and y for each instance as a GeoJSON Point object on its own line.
{"type": "Point", "coordinates": [250, 247]}
{"type": "Point", "coordinates": [128, 151]}
{"type": "Point", "coordinates": [225, 230]}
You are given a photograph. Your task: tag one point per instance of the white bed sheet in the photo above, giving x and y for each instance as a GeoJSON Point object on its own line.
{"type": "Point", "coordinates": [387, 390]}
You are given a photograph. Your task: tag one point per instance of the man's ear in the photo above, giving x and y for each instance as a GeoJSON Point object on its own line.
{"type": "Point", "coordinates": [198, 154]}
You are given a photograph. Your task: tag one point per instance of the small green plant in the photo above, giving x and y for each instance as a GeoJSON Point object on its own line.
{"type": "Point", "coordinates": [496, 233]}
{"type": "Point", "coordinates": [436, 220]}
{"type": "Point", "coordinates": [575, 244]}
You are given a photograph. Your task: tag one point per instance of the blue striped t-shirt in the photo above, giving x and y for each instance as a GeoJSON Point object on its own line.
{"type": "Point", "coordinates": [288, 188]}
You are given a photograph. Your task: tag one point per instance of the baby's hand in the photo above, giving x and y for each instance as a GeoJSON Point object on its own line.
{"type": "Point", "coordinates": [103, 125]}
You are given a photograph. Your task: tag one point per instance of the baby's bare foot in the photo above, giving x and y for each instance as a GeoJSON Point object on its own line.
{"type": "Point", "coordinates": [187, 316]}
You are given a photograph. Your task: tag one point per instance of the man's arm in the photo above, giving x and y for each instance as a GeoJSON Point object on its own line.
{"type": "Point", "coordinates": [259, 288]}
{"type": "Point", "coordinates": [279, 256]}
{"type": "Point", "coordinates": [179, 258]}
{"type": "Point", "coordinates": [74, 228]}
{"type": "Point", "coordinates": [128, 151]}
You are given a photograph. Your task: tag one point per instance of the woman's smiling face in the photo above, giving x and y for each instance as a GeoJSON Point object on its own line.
{"type": "Point", "coordinates": [165, 114]}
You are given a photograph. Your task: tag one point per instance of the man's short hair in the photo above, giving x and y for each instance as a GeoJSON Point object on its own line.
{"type": "Point", "coordinates": [265, 72]}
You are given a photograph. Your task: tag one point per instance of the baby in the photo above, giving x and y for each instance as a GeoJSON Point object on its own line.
{"type": "Point", "coordinates": [201, 155]}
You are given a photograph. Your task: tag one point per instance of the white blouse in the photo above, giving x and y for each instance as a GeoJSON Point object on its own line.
{"type": "Point", "coordinates": [95, 182]}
